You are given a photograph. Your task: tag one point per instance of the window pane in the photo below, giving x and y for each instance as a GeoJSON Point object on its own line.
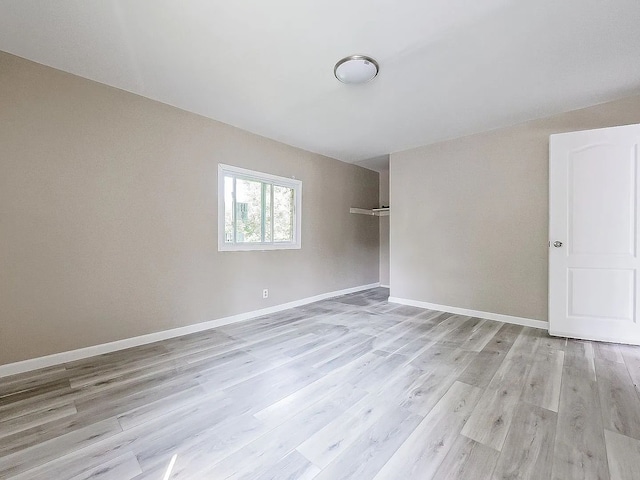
{"type": "Point", "coordinates": [228, 209]}
{"type": "Point", "coordinates": [282, 214]}
{"type": "Point", "coordinates": [259, 211]}
{"type": "Point", "coordinates": [267, 211]}
{"type": "Point", "coordinates": [248, 211]}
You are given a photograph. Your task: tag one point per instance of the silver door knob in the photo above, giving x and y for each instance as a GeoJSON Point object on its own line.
{"type": "Point", "coordinates": [557, 244]}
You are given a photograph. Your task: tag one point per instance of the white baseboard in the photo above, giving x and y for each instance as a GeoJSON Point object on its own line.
{"type": "Point", "coordinates": [385, 286]}
{"type": "Point", "coordinates": [72, 355]}
{"type": "Point", "coordinates": [527, 322]}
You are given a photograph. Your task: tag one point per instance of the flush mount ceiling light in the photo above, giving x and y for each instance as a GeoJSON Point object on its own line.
{"type": "Point", "coordinates": [356, 69]}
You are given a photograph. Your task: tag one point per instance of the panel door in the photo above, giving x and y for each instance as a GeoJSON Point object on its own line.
{"type": "Point", "coordinates": [593, 248]}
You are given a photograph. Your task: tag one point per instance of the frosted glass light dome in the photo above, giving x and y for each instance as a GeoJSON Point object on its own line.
{"type": "Point", "coordinates": [356, 69]}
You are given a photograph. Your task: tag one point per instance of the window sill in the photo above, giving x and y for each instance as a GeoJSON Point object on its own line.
{"type": "Point", "coordinates": [258, 247]}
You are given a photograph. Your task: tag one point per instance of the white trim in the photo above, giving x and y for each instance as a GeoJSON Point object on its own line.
{"type": "Point", "coordinates": [72, 355]}
{"type": "Point", "coordinates": [252, 247]}
{"type": "Point", "coordinates": [527, 322]}
{"type": "Point", "coordinates": [385, 286]}
{"type": "Point", "coordinates": [251, 174]}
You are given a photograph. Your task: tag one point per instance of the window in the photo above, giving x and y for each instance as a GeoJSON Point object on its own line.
{"type": "Point", "coordinates": [257, 211]}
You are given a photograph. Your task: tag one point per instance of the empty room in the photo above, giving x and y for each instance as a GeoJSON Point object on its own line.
{"type": "Point", "coordinates": [320, 240]}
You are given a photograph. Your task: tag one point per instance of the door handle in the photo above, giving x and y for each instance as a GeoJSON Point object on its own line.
{"type": "Point", "coordinates": [557, 244]}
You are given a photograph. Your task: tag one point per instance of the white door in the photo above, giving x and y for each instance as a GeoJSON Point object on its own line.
{"type": "Point", "coordinates": [593, 248]}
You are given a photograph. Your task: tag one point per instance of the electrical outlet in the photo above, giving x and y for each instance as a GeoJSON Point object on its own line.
{"type": "Point", "coordinates": [265, 293]}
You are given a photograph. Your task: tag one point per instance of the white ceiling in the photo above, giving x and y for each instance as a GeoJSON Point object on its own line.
{"type": "Point", "coordinates": [447, 68]}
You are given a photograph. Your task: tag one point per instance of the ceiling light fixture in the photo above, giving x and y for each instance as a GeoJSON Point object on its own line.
{"type": "Point", "coordinates": [356, 69]}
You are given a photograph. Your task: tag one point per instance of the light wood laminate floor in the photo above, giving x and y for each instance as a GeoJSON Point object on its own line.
{"type": "Point", "coordinates": [351, 387]}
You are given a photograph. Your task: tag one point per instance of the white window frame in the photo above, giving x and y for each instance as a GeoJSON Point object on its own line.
{"type": "Point", "coordinates": [296, 185]}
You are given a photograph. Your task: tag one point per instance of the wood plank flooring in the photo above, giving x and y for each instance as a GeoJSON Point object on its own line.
{"type": "Point", "coordinates": [348, 388]}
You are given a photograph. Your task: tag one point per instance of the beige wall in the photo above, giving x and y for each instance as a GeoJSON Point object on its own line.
{"type": "Point", "coordinates": [108, 208]}
{"type": "Point", "coordinates": [384, 229]}
{"type": "Point", "coordinates": [469, 226]}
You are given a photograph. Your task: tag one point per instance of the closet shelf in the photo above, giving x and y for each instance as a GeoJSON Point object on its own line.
{"type": "Point", "coordinates": [376, 212]}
